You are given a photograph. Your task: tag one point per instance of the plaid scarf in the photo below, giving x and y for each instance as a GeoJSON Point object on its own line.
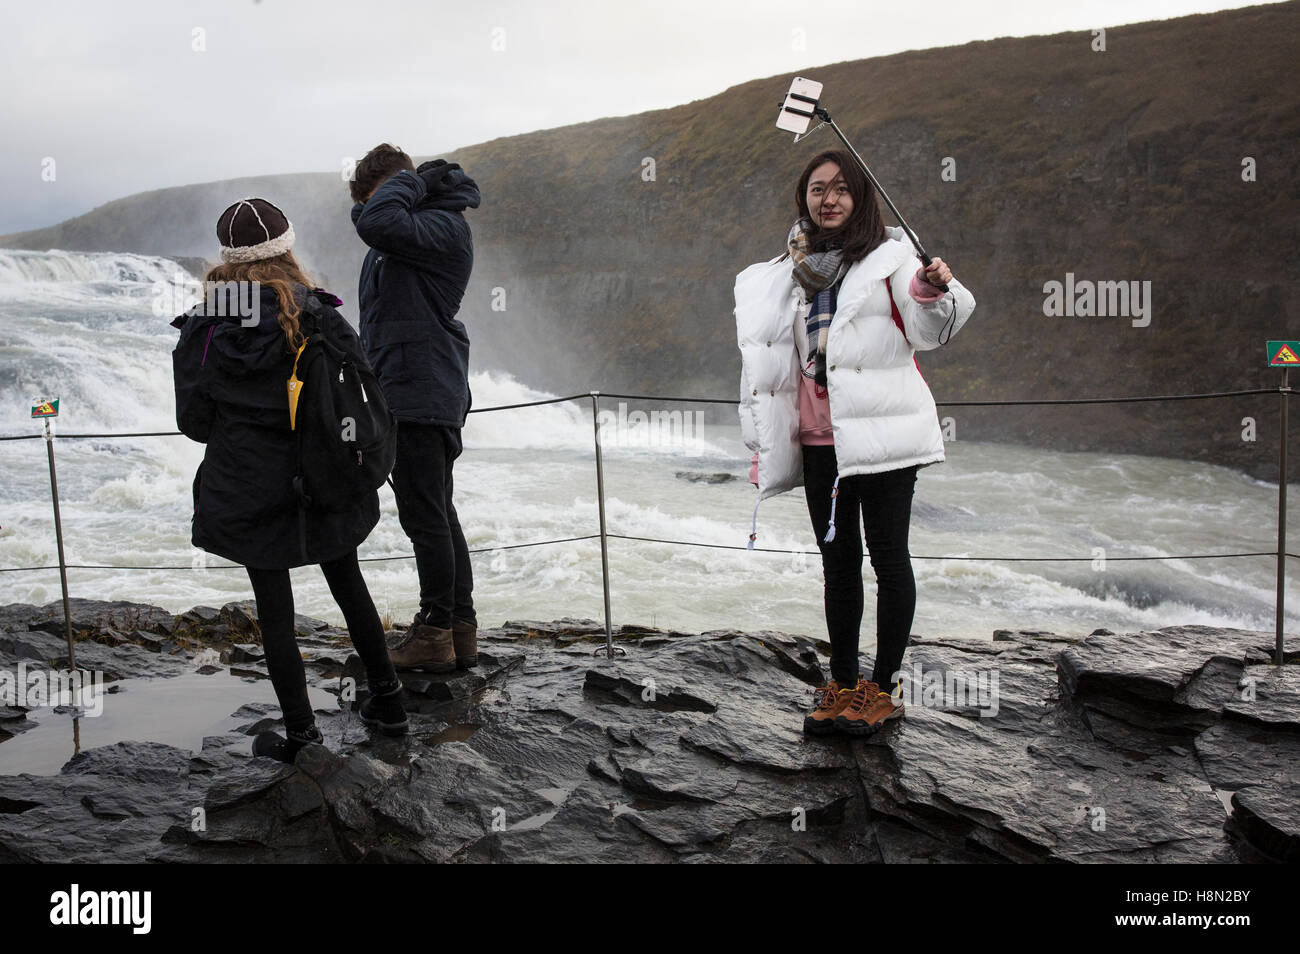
{"type": "Point", "coordinates": [819, 274]}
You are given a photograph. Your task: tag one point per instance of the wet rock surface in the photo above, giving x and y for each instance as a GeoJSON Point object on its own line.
{"type": "Point", "coordinates": [1181, 744]}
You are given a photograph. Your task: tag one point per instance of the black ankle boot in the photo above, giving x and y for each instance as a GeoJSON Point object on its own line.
{"type": "Point", "coordinates": [273, 745]}
{"type": "Point", "coordinates": [383, 709]}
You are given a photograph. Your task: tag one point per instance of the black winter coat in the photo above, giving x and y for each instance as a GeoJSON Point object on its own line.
{"type": "Point", "coordinates": [412, 283]}
{"type": "Point", "coordinates": [231, 394]}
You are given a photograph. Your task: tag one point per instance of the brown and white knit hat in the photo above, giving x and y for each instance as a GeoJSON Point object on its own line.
{"type": "Point", "coordinates": [253, 229]}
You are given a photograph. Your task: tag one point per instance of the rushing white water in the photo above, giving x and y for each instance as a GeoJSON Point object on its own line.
{"type": "Point", "coordinates": [82, 327]}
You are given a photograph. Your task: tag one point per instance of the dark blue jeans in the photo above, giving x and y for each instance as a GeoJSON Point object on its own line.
{"type": "Point", "coordinates": [883, 504]}
{"type": "Point", "coordinates": [423, 487]}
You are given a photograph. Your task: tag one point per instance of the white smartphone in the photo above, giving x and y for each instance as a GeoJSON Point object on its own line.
{"type": "Point", "coordinates": [796, 111]}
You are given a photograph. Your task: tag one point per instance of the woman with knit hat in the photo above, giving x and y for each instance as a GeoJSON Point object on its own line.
{"type": "Point", "coordinates": [235, 355]}
{"type": "Point", "coordinates": [832, 398]}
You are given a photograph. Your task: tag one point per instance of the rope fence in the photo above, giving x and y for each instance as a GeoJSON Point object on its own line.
{"type": "Point", "coordinates": [1280, 554]}
{"type": "Point", "coordinates": [1137, 399]}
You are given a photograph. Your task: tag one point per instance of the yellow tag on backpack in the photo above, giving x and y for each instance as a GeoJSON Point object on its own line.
{"type": "Point", "coordinates": [295, 389]}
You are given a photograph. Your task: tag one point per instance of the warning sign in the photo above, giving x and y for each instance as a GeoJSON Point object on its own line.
{"type": "Point", "coordinates": [46, 409]}
{"type": "Point", "coordinates": [1284, 354]}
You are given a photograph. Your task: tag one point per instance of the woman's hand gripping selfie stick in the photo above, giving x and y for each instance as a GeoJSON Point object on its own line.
{"type": "Point", "coordinates": [799, 108]}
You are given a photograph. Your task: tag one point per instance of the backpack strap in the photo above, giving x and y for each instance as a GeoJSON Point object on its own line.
{"type": "Point", "coordinates": [893, 310]}
{"type": "Point", "coordinates": [294, 387]}
{"type": "Point", "coordinates": [898, 320]}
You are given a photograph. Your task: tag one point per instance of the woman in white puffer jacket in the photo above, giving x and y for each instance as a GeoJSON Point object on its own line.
{"type": "Point", "coordinates": [832, 398]}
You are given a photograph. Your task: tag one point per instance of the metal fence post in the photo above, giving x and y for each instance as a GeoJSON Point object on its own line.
{"type": "Point", "coordinates": [58, 534]}
{"type": "Point", "coordinates": [604, 539]}
{"type": "Point", "coordinates": [1281, 519]}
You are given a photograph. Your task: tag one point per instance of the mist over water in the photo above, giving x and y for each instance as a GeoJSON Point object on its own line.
{"type": "Point", "coordinates": [81, 327]}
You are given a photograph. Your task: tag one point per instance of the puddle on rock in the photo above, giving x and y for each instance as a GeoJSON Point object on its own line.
{"type": "Point", "coordinates": [453, 733]}
{"type": "Point", "coordinates": [178, 711]}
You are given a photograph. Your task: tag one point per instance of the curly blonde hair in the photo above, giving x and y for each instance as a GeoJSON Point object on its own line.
{"type": "Point", "coordinates": [280, 273]}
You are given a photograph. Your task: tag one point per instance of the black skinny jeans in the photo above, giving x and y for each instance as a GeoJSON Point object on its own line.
{"type": "Point", "coordinates": [883, 501]}
{"type": "Point", "coordinates": [274, 595]}
{"type": "Point", "coordinates": [423, 486]}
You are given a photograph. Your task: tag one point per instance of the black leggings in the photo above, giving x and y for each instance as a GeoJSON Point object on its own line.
{"type": "Point", "coordinates": [883, 501]}
{"type": "Point", "coordinates": [274, 595]}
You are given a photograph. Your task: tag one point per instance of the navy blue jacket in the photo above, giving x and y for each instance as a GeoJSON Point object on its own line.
{"type": "Point", "coordinates": [412, 283]}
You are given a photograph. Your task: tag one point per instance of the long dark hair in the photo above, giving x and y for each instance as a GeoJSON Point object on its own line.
{"type": "Point", "coordinates": [865, 229]}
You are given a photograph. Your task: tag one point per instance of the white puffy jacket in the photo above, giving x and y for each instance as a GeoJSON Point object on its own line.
{"type": "Point", "coordinates": [882, 413]}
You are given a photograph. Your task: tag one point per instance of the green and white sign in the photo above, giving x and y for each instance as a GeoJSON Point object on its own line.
{"type": "Point", "coordinates": [46, 409]}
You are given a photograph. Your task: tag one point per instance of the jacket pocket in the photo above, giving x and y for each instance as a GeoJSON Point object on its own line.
{"type": "Point", "coordinates": [417, 363]}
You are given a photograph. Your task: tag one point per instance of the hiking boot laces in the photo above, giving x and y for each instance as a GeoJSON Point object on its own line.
{"type": "Point", "coordinates": [827, 697]}
{"type": "Point", "coordinates": [862, 696]}
{"type": "Point", "coordinates": [405, 638]}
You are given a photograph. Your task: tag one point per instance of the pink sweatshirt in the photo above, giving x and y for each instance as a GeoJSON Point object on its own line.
{"type": "Point", "coordinates": [814, 405]}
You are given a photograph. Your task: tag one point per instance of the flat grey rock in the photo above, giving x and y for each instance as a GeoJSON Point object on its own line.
{"type": "Point", "coordinates": [1178, 745]}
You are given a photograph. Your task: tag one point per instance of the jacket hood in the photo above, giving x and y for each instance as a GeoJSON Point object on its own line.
{"type": "Point", "coordinates": [456, 193]}
{"type": "Point", "coordinates": [239, 348]}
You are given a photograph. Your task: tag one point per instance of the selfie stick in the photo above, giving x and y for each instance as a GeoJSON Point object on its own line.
{"type": "Point", "coordinates": [806, 106]}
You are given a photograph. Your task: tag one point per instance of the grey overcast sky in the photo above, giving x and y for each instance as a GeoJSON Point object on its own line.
{"type": "Point", "coordinates": [122, 98]}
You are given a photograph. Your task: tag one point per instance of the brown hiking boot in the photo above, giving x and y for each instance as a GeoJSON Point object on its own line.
{"type": "Point", "coordinates": [869, 709]}
{"type": "Point", "coordinates": [465, 637]}
{"type": "Point", "coordinates": [831, 700]}
{"type": "Point", "coordinates": [424, 647]}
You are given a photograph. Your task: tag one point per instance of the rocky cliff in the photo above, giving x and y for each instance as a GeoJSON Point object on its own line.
{"type": "Point", "coordinates": [1177, 745]}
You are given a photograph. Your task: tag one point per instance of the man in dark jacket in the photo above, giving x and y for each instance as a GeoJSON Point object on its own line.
{"type": "Point", "coordinates": [412, 283]}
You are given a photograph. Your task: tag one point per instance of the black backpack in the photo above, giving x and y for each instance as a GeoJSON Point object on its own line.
{"type": "Point", "coordinates": [347, 437]}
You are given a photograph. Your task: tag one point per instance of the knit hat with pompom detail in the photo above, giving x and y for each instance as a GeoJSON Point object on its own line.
{"type": "Point", "coordinates": [253, 229]}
